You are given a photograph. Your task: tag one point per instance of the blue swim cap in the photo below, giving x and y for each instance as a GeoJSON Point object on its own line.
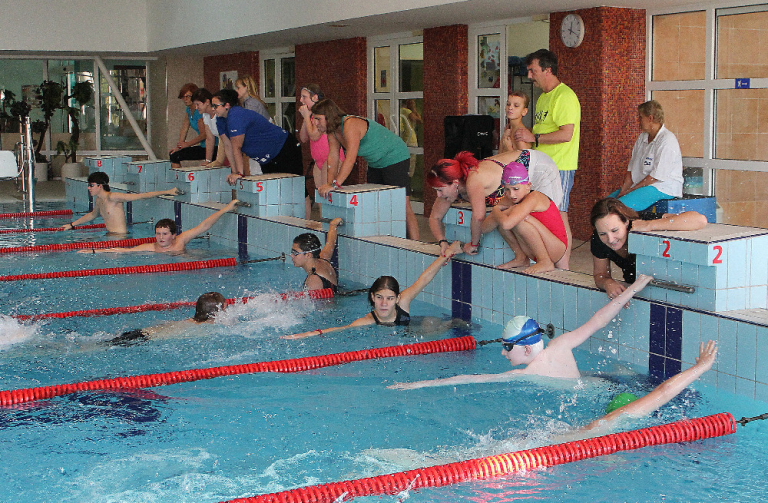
{"type": "Point", "coordinates": [522, 331]}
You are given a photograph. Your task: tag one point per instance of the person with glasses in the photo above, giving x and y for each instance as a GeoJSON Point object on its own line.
{"type": "Point", "coordinates": [194, 149]}
{"type": "Point", "coordinates": [307, 253]}
{"type": "Point", "coordinates": [522, 345]}
{"type": "Point", "coordinates": [109, 205]}
{"type": "Point", "coordinates": [390, 306]}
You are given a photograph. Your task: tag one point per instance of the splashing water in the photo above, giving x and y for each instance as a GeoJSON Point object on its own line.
{"type": "Point", "coordinates": [13, 332]}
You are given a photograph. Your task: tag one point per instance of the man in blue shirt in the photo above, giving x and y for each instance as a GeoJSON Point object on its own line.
{"type": "Point", "coordinates": [246, 132]}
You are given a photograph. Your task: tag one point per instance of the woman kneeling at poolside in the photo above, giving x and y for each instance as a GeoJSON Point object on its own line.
{"type": "Point", "coordinates": [533, 219]}
{"type": "Point", "coordinates": [612, 220]}
{"type": "Point", "coordinates": [390, 306]}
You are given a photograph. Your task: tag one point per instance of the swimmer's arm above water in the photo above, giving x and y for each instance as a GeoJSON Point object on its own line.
{"type": "Point", "coordinates": [83, 219]}
{"type": "Point", "coordinates": [141, 248]}
{"type": "Point", "coordinates": [365, 320]}
{"type": "Point", "coordinates": [600, 319]}
{"type": "Point", "coordinates": [124, 198]}
{"type": "Point", "coordinates": [462, 379]}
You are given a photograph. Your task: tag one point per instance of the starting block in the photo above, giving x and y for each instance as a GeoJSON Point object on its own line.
{"type": "Point", "coordinates": [726, 265]}
{"type": "Point", "coordinates": [493, 250]}
{"type": "Point", "coordinates": [200, 184]}
{"type": "Point", "coordinates": [113, 166]}
{"type": "Point", "coordinates": [367, 209]}
{"type": "Point", "coordinates": [271, 195]}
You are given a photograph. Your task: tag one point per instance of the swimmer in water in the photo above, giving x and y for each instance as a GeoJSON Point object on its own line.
{"type": "Point", "coordinates": [166, 240]}
{"type": "Point", "coordinates": [390, 306]}
{"type": "Point", "coordinates": [109, 205]}
{"type": "Point", "coordinates": [522, 345]}
{"type": "Point", "coordinates": [207, 307]}
{"type": "Point", "coordinates": [307, 253]}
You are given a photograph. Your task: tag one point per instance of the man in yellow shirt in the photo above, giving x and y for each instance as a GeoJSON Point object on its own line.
{"type": "Point", "coordinates": [556, 129]}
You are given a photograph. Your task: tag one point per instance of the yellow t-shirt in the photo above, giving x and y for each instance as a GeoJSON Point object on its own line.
{"type": "Point", "coordinates": [557, 108]}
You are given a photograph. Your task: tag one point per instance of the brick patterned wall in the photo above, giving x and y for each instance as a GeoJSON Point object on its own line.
{"type": "Point", "coordinates": [445, 90]}
{"type": "Point", "coordinates": [245, 63]}
{"type": "Point", "coordinates": [340, 67]}
{"type": "Point", "coordinates": [607, 72]}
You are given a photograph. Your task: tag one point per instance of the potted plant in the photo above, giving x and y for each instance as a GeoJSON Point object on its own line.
{"type": "Point", "coordinates": [52, 98]}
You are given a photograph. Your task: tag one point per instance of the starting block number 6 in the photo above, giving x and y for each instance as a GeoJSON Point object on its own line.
{"type": "Point", "coordinates": [191, 177]}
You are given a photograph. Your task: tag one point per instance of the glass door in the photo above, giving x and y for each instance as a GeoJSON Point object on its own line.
{"type": "Point", "coordinates": [278, 76]}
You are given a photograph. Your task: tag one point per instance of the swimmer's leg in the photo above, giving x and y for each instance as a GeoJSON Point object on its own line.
{"type": "Point", "coordinates": [129, 338]}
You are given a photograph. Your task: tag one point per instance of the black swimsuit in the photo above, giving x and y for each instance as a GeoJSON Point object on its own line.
{"type": "Point", "coordinates": [326, 282]}
{"type": "Point", "coordinates": [402, 318]}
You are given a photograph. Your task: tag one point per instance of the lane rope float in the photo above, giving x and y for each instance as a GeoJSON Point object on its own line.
{"type": "Point", "coordinates": [687, 430]}
{"type": "Point", "coordinates": [53, 229]}
{"type": "Point", "coordinates": [56, 247]}
{"type": "Point", "coordinates": [25, 214]}
{"type": "Point", "coordinates": [12, 397]}
{"type": "Point", "coordinates": [139, 269]}
{"type": "Point", "coordinates": [325, 293]}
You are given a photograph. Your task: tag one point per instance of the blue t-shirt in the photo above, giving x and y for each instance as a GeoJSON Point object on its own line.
{"type": "Point", "coordinates": [194, 117]}
{"type": "Point", "coordinates": [263, 140]}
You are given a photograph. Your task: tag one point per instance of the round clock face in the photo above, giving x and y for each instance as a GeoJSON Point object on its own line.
{"type": "Point", "coordinates": [572, 30]}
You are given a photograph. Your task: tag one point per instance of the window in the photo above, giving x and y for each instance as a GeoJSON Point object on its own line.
{"type": "Point", "coordinates": [708, 70]}
{"type": "Point", "coordinates": [396, 98]}
{"type": "Point", "coordinates": [278, 75]}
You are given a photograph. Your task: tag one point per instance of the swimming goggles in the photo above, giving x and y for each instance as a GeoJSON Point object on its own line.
{"type": "Point", "coordinates": [295, 253]}
{"type": "Point", "coordinates": [509, 345]}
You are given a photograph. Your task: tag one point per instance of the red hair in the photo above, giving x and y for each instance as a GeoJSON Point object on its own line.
{"type": "Point", "coordinates": [446, 171]}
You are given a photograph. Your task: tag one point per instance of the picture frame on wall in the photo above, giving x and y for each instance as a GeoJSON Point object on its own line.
{"type": "Point", "coordinates": [227, 79]}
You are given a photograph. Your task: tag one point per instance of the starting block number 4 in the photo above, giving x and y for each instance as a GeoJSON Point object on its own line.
{"type": "Point", "coordinates": [352, 202]}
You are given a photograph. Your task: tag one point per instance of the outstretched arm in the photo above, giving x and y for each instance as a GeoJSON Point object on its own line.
{"type": "Point", "coordinates": [462, 379]}
{"type": "Point", "coordinates": [665, 391]}
{"type": "Point", "coordinates": [601, 318]}
{"type": "Point", "coordinates": [186, 236]}
{"type": "Point", "coordinates": [365, 320]}
{"type": "Point", "coordinates": [686, 221]}
{"type": "Point", "coordinates": [85, 218]}
{"type": "Point", "coordinates": [330, 241]}
{"type": "Point", "coordinates": [407, 295]}
{"type": "Point", "coordinates": [123, 198]}
{"type": "Point", "coordinates": [141, 248]}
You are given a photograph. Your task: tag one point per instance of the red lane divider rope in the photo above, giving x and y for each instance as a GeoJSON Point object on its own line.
{"type": "Point", "coordinates": [503, 464]}
{"type": "Point", "coordinates": [52, 229]}
{"type": "Point", "coordinates": [139, 269]}
{"type": "Point", "coordinates": [51, 213]}
{"type": "Point", "coordinates": [16, 396]}
{"type": "Point", "coordinates": [325, 293]}
{"type": "Point", "coordinates": [77, 246]}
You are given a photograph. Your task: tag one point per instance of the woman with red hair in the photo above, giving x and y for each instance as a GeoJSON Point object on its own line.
{"type": "Point", "coordinates": [479, 183]}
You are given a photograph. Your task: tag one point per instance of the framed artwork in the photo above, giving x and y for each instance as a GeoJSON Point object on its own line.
{"type": "Point", "coordinates": [227, 79]}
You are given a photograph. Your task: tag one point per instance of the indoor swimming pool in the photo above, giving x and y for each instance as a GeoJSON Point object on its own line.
{"type": "Point", "coordinates": [242, 435]}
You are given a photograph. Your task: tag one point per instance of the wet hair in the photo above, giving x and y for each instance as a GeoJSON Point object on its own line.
{"type": "Point", "coordinates": [208, 304]}
{"type": "Point", "coordinates": [101, 178]}
{"type": "Point", "coordinates": [202, 95]}
{"type": "Point", "coordinates": [166, 223]}
{"type": "Point", "coordinates": [446, 171]}
{"type": "Point", "coordinates": [652, 109]}
{"type": "Point", "coordinates": [383, 283]}
{"type": "Point", "coordinates": [546, 58]}
{"type": "Point", "coordinates": [332, 113]}
{"type": "Point", "coordinates": [228, 96]}
{"type": "Point", "coordinates": [524, 96]}
{"type": "Point", "coordinates": [187, 88]}
{"type": "Point", "coordinates": [314, 89]}
{"type": "Point", "coordinates": [612, 206]}
{"type": "Point", "coordinates": [308, 242]}
{"type": "Point", "coordinates": [251, 87]}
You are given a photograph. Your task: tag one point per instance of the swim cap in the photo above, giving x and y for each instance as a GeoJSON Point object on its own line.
{"type": "Point", "coordinates": [618, 401]}
{"type": "Point", "coordinates": [514, 173]}
{"type": "Point", "coordinates": [522, 330]}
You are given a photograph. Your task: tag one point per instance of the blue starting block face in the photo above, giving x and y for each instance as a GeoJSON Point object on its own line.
{"type": "Point", "coordinates": [113, 166]}
{"type": "Point", "coordinates": [493, 250]}
{"type": "Point", "coordinates": [367, 209]}
{"type": "Point", "coordinates": [727, 265]}
{"type": "Point", "coordinates": [199, 184]}
{"type": "Point", "coordinates": [276, 194]}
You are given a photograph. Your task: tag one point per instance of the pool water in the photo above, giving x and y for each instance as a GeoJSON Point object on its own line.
{"type": "Point", "coordinates": [218, 439]}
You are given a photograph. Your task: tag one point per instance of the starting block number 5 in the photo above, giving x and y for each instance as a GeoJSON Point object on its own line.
{"type": "Point", "coordinates": [259, 186]}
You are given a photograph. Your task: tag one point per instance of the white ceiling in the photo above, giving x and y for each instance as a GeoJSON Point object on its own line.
{"type": "Point", "coordinates": [461, 12]}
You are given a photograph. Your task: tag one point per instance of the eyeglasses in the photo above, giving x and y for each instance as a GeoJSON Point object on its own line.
{"type": "Point", "coordinates": [215, 106]}
{"type": "Point", "coordinates": [187, 96]}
